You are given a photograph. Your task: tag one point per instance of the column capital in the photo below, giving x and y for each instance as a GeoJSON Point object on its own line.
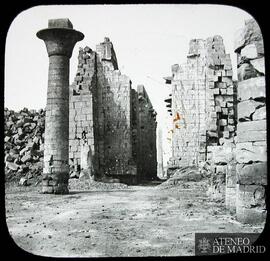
{"type": "Point", "coordinates": [60, 37]}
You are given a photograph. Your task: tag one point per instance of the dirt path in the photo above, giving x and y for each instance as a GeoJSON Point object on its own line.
{"type": "Point", "coordinates": [141, 221]}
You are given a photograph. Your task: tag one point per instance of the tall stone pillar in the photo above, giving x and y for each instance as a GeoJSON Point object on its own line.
{"type": "Point", "coordinates": [251, 142]}
{"type": "Point", "coordinates": [60, 39]}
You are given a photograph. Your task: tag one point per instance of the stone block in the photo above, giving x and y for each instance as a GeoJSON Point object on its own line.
{"type": "Point", "coordinates": [230, 199]}
{"type": "Point", "coordinates": [250, 196]}
{"type": "Point", "coordinates": [259, 65]}
{"type": "Point", "coordinates": [246, 108]}
{"type": "Point", "coordinates": [249, 34]}
{"type": "Point", "coordinates": [249, 51]}
{"type": "Point", "coordinates": [246, 153]}
{"type": "Point", "coordinates": [47, 189]}
{"type": "Point", "coordinates": [231, 128]}
{"type": "Point", "coordinates": [259, 143]}
{"type": "Point", "coordinates": [231, 121]}
{"type": "Point", "coordinates": [26, 158]}
{"type": "Point", "coordinates": [223, 122]}
{"type": "Point", "coordinates": [12, 166]}
{"type": "Point", "coordinates": [224, 111]}
{"type": "Point", "coordinates": [252, 135]}
{"type": "Point", "coordinates": [223, 91]}
{"type": "Point", "coordinates": [221, 154]}
{"type": "Point", "coordinates": [250, 215]}
{"type": "Point", "coordinates": [259, 114]}
{"type": "Point", "coordinates": [252, 88]}
{"type": "Point", "coordinates": [246, 71]}
{"type": "Point", "coordinates": [239, 39]}
{"type": "Point", "coordinates": [212, 132]}
{"type": "Point", "coordinates": [258, 125]}
{"type": "Point", "coordinates": [230, 91]}
{"type": "Point", "coordinates": [221, 168]}
{"type": "Point", "coordinates": [250, 204]}
{"type": "Point", "coordinates": [252, 174]}
{"type": "Point", "coordinates": [23, 182]}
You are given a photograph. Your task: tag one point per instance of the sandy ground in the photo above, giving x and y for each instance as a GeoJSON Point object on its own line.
{"type": "Point", "coordinates": [138, 221]}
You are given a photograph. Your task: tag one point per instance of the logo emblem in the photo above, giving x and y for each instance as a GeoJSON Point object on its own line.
{"type": "Point", "coordinates": [204, 246]}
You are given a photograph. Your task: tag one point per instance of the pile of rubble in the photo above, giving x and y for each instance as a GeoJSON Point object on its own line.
{"type": "Point", "coordinates": [23, 143]}
{"type": "Point", "coordinates": [92, 185]}
{"type": "Point", "coordinates": [183, 175]}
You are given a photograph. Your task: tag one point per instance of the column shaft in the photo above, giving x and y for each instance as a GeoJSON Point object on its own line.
{"type": "Point", "coordinates": [56, 168]}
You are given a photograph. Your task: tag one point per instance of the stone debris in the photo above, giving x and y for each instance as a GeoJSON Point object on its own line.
{"type": "Point", "coordinates": [23, 182]}
{"type": "Point", "coordinates": [183, 175]}
{"type": "Point", "coordinates": [24, 142]}
{"type": "Point", "coordinates": [91, 185]}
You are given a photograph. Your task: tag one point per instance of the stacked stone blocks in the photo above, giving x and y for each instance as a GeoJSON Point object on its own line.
{"type": "Point", "coordinates": [105, 108]}
{"type": "Point", "coordinates": [251, 146]}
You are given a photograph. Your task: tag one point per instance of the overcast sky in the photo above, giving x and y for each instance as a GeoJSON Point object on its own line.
{"type": "Point", "coordinates": [147, 40]}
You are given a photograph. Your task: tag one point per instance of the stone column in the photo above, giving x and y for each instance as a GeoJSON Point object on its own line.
{"type": "Point", "coordinates": [60, 38]}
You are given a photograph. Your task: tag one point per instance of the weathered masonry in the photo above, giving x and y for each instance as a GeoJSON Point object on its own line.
{"type": "Point", "coordinates": [112, 126]}
{"type": "Point", "coordinates": [60, 39]}
{"type": "Point", "coordinates": [221, 124]}
{"type": "Point", "coordinates": [202, 102]}
{"type": "Point", "coordinates": [251, 146]}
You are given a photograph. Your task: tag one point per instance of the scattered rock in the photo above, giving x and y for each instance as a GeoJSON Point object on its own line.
{"type": "Point", "coordinates": [23, 142]}
{"type": "Point", "coordinates": [23, 182]}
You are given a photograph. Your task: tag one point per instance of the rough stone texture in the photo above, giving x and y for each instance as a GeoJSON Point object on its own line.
{"type": "Point", "coordinates": [249, 34]}
{"type": "Point", "coordinates": [203, 106]}
{"type": "Point", "coordinates": [107, 115]}
{"type": "Point", "coordinates": [250, 204]}
{"type": "Point", "coordinates": [247, 152]}
{"type": "Point", "coordinates": [253, 135]}
{"type": "Point", "coordinates": [246, 108]}
{"type": "Point", "coordinates": [259, 65]}
{"type": "Point", "coordinates": [188, 107]}
{"type": "Point", "coordinates": [59, 42]}
{"type": "Point", "coordinates": [251, 174]}
{"type": "Point", "coordinates": [202, 103]}
{"type": "Point", "coordinates": [251, 89]}
{"type": "Point", "coordinates": [259, 114]}
{"type": "Point", "coordinates": [146, 134]}
{"type": "Point", "coordinates": [160, 167]}
{"type": "Point", "coordinates": [258, 125]}
{"type": "Point", "coordinates": [24, 142]}
{"type": "Point", "coordinates": [246, 71]}
{"type": "Point", "coordinates": [251, 148]}
{"type": "Point", "coordinates": [220, 154]}
{"type": "Point", "coordinates": [230, 198]}
{"type": "Point", "coordinates": [249, 51]}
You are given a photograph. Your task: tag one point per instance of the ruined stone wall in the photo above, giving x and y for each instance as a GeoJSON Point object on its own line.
{"type": "Point", "coordinates": [104, 114]}
{"type": "Point", "coordinates": [203, 96]}
{"type": "Point", "coordinates": [81, 108]}
{"type": "Point", "coordinates": [221, 119]}
{"type": "Point", "coordinates": [146, 135]}
{"type": "Point", "coordinates": [116, 113]}
{"type": "Point", "coordinates": [188, 107]}
{"type": "Point", "coordinates": [251, 147]}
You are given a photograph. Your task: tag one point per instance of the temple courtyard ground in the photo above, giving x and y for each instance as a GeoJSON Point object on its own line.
{"type": "Point", "coordinates": [146, 220]}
